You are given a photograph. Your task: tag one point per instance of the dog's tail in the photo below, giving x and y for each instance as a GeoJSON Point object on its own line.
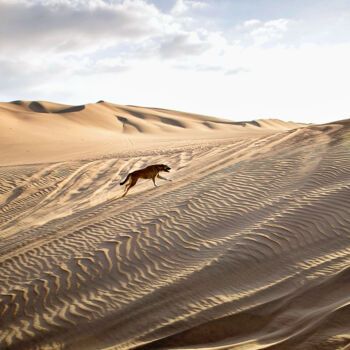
{"type": "Point", "coordinates": [123, 182]}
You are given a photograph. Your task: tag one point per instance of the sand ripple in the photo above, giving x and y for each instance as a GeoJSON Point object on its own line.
{"type": "Point", "coordinates": [248, 247]}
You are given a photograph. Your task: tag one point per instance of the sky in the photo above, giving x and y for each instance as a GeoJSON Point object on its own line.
{"type": "Point", "coordinates": [234, 59]}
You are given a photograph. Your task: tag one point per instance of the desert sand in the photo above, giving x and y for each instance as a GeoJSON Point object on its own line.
{"type": "Point", "coordinates": [248, 247]}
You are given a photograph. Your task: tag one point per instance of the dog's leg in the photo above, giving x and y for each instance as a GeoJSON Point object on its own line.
{"type": "Point", "coordinates": [127, 188]}
{"type": "Point", "coordinates": [154, 181]}
{"type": "Point", "coordinates": [163, 178]}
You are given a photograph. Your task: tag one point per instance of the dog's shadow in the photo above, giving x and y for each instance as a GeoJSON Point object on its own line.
{"type": "Point", "coordinates": [133, 194]}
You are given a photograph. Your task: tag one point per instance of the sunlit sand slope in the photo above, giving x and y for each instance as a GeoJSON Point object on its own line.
{"type": "Point", "coordinates": [247, 248]}
{"type": "Point", "coordinates": [36, 131]}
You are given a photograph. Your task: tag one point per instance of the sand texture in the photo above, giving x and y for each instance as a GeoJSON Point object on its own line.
{"type": "Point", "coordinates": [248, 247]}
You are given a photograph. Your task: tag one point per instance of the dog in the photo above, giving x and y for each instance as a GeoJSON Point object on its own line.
{"type": "Point", "coordinates": [150, 172]}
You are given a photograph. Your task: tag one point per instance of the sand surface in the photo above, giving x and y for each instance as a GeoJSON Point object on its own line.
{"type": "Point", "coordinates": [247, 248]}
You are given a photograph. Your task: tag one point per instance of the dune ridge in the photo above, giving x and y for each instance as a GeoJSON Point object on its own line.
{"type": "Point", "coordinates": [247, 248]}
{"type": "Point", "coordinates": [33, 131]}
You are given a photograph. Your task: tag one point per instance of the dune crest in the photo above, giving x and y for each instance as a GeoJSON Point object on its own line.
{"type": "Point", "coordinates": [48, 132]}
{"type": "Point", "coordinates": [247, 248]}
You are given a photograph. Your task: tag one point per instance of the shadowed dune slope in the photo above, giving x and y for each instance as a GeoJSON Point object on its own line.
{"type": "Point", "coordinates": [247, 248]}
{"type": "Point", "coordinates": [37, 131]}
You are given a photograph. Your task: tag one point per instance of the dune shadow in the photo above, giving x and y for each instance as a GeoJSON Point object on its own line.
{"type": "Point", "coordinates": [15, 193]}
{"type": "Point", "coordinates": [17, 102]}
{"type": "Point", "coordinates": [125, 121]}
{"type": "Point", "coordinates": [164, 120]}
{"type": "Point", "coordinates": [208, 125]}
{"type": "Point", "coordinates": [252, 122]}
{"type": "Point", "coordinates": [37, 107]}
{"type": "Point", "coordinates": [177, 123]}
{"type": "Point", "coordinates": [71, 109]}
{"type": "Point", "coordinates": [135, 114]}
{"type": "Point", "coordinates": [217, 330]}
{"type": "Point", "coordinates": [172, 122]}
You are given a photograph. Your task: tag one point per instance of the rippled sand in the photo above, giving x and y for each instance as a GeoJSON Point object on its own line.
{"type": "Point", "coordinates": [247, 248]}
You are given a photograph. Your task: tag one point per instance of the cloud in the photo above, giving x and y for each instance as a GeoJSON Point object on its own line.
{"type": "Point", "coordinates": [279, 61]}
{"type": "Point", "coordinates": [182, 6]}
{"type": "Point", "coordinates": [183, 45]}
{"type": "Point", "coordinates": [212, 68]}
{"type": "Point", "coordinates": [109, 65]}
{"type": "Point", "coordinates": [45, 41]}
{"type": "Point", "coordinates": [22, 77]}
{"type": "Point", "coordinates": [73, 25]}
{"type": "Point", "coordinates": [257, 32]}
{"type": "Point", "coordinates": [237, 70]}
{"type": "Point", "coordinates": [251, 23]}
{"type": "Point", "coordinates": [270, 30]}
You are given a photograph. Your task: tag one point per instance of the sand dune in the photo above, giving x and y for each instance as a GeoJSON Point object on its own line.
{"type": "Point", "coordinates": [36, 131]}
{"type": "Point", "coordinates": [247, 248]}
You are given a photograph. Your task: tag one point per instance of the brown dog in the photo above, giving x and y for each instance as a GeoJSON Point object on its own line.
{"type": "Point", "coordinates": [150, 172]}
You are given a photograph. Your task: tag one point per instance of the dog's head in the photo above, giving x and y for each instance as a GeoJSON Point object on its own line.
{"type": "Point", "coordinates": [164, 167]}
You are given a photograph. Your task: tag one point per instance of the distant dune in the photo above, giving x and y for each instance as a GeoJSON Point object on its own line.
{"type": "Point", "coordinates": [247, 248]}
{"type": "Point", "coordinates": [37, 131]}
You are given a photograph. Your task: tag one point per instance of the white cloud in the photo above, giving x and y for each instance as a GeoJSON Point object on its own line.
{"type": "Point", "coordinates": [251, 23]}
{"type": "Point", "coordinates": [183, 45]}
{"type": "Point", "coordinates": [128, 51]}
{"type": "Point", "coordinates": [270, 30]}
{"type": "Point", "coordinates": [75, 25]}
{"type": "Point", "coordinates": [257, 32]}
{"type": "Point", "coordinates": [182, 6]}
